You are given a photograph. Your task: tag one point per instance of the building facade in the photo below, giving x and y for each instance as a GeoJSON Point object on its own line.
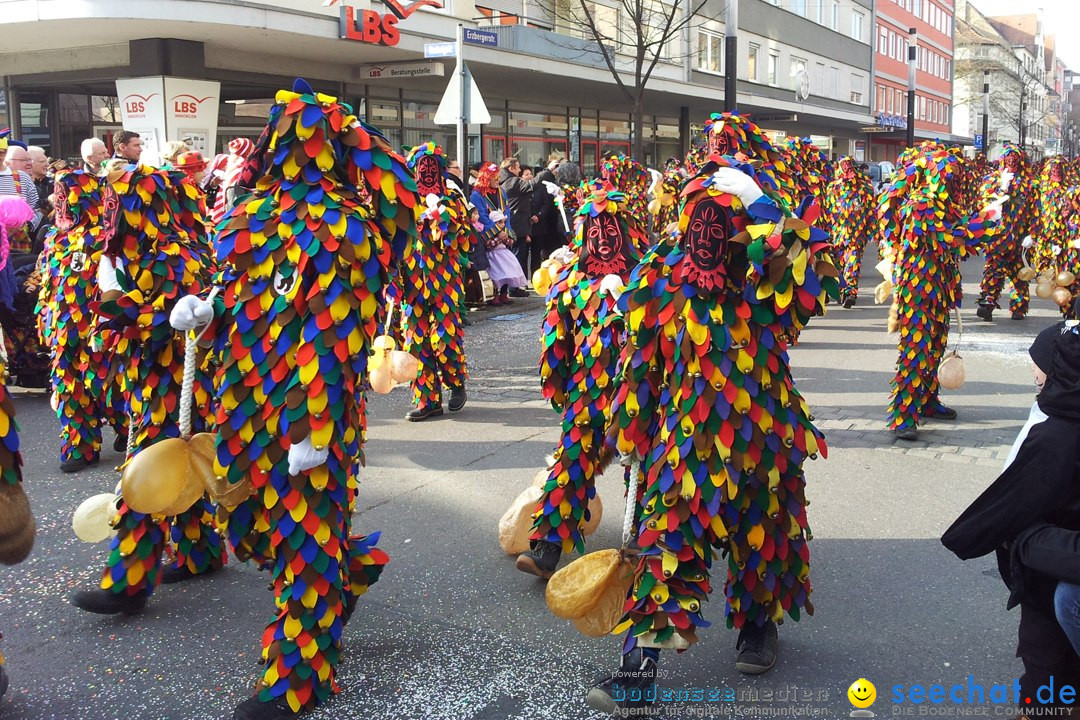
{"type": "Point", "coordinates": [934, 25]}
{"type": "Point", "coordinates": [545, 83]}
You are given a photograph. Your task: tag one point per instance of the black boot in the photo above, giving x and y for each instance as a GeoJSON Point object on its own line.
{"type": "Point", "coordinates": [119, 444]}
{"type": "Point", "coordinates": [519, 292]}
{"type": "Point", "coordinates": [423, 413]}
{"type": "Point", "coordinates": [986, 312]}
{"type": "Point", "coordinates": [849, 302]}
{"type": "Point", "coordinates": [541, 560]}
{"type": "Point", "coordinates": [3, 681]}
{"type": "Point", "coordinates": [938, 411]}
{"type": "Point", "coordinates": [106, 602]}
{"type": "Point", "coordinates": [75, 464]}
{"type": "Point", "coordinates": [458, 396]}
{"type": "Point", "coordinates": [906, 433]}
{"type": "Point", "coordinates": [757, 647]}
{"type": "Point", "coordinates": [255, 709]}
{"type": "Point", "coordinates": [631, 687]}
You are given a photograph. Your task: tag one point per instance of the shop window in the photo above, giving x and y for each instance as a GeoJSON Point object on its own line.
{"type": "Point", "coordinates": [534, 152]}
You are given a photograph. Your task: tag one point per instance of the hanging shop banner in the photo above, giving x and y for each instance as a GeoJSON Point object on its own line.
{"type": "Point", "coordinates": [191, 112]}
{"type": "Point", "coordinates": [142, 110]}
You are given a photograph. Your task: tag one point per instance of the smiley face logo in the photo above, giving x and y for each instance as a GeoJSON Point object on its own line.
{"type": "Point", "coordinates": [862, 693]}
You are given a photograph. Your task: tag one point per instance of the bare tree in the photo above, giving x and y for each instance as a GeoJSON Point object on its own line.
{"type": "Point", "coordinates": [642, 31]}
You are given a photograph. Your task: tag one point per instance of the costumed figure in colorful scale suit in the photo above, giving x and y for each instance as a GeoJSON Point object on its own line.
{"type": "Point", "coordinates": [924, 236]}
{"type": "Point", "coordinates": [664, 205]}
{"type": "Point", "coordinates": [155, 252]}
{"type": "Point", "coordinates": [811, 170]}
{"type": "Point", "coordinates": [1056, 236]}
{"type": "Point", "coordinates": [1004, 251]}
{"type": "Point", "coordinates": [849, 203]}
{"type": "Point", "coordinates": [85, 380]}
{"type": "Point", "coordinates": [706, 403]}
{"type": "Point", "coordinates": [433, 285]}
{"type": "Point", "coordinates": [632, 179]}
{"type": "Point", "coordinates": [306, 260]}
{"type": "Point", "coordinates": [582, 337]}
{"type": "Point", "coordinates": [730, 133]}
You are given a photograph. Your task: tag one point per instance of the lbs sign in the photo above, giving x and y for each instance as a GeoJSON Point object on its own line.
{"type": "Point", "coordinates": [368, 26]}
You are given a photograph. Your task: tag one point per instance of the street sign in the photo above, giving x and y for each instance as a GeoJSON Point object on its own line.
{"type": "Point", "coordinates": [978, 142]}
{"type": "Point", "coordinates": [397, 71]}
{"type": "Point", "coordinates": [775, 117]}
{"type": "Point", "coordinates": [440, 49]}
{"type": "Point", "coordinates": [487, 38]}
{"type": "Point", "coordinates": [476, 112]}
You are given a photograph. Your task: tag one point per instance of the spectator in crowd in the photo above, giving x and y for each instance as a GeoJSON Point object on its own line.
{"type": "Point", "coordinates": [43, 181]}
{"type": "Point", "coordinates": [173, 151]}
{"type": "Point", "coordinates": [93, 152]}
{"type": "Point", "coordinates": [474, 170]}
{"type": "Point", "coordinates": [547, 230]}
{"type": "Point", "coordinates": [127, 145]}
{"type": "Point", "coordinates": [518, 194]}
{"type": "Point", "coordinates": [15, 180]}
{"type": "Point", "coordinates": [567, 175]}
{"type": "Point", "coordinates": [527, 174]}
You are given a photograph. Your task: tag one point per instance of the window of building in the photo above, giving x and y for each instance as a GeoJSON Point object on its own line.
{"type": "Point", "coordinates": [710, 49]}
{"type": "Point", "coordinates": [834, 83]}
{"type": "Point", "coordinates": [856, 89]}
{"type": "Point", "coordinates": [880, 107]}
{"type": "Point", "coordinates": [774, 66]}
{"type": "Point", "coordinates": [856, 25]}
{"type": "Point", "coordinates": [751, 62]}
{"type": "Point", "coordinates": [947, 24]}
{"type": "Point", "coordinates": [820, 15]}
{"type": "Point", "coordinates": [883, 40]}
{"type": "Point", "coordinates": [890, 101]}
{"type": "Point", "coordinates": [926, 11]}
{"type": "Point", "coordinates": [817, 82]}
{"type": "Point", "coordinates": [797, 65]}
{"type": "Point", "coordinates": [834, 21]}
{"type": "Point", "coordinates": [892, 44]}
{"type": "Point", "coordinates": [799, 7]}
{"type": "Point", "coordinates": [917, 10]}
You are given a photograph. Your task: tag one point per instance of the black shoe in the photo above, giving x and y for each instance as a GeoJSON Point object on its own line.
{"type": "Point", "coordinates": [173, 575]}
{"type": "Point", "coordinates": [105, 602]}
{"type": "Point", "coordinates": [3, 681]}
{"type": "Point", "coordinates": [1017, 315]}
{"type": "Point", "coordinates": [75, 464]}
{"type": "Point", "coordinates": [519, 292]}
{"type": "Point", "coordinates": [906, 433]}
{"type": "Point", "coordinates": [541, 560]}
{"type": "Point", "coordinates": [757, 646]}
{"type": "Point", "coordinates": [119, 444]}
{"type": "Point", "coordinates": [255, 709]}
{"type": "Point", "coordinates": [849, 302]}
{"type": "Point", "coordinates": [986, 312]}
{"type": "Point", "coordinates": [939, 412]}
{"type": "Point", "coordinates": [631, 687]}
{"type": "Point", "coordinates": [465, 321]}
{"type": "Point", "coordinates": [417, 414]}
{"type": "Point", "coordinates": [458, 396]}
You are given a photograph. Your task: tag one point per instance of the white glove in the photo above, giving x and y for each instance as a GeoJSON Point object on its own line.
{"type": "Point", "coordinates": [190, 312]}
{"type": "Point", "coordinates": [1076, 244]}
{"type": "Point", "coordinates": [993, 210]}
{"type": "Point", "coordinates": [612, 285]}
{"type": "Point", "coordinates": [552, 189]}
{"type": "Point", "coordinates": [1005, 180]}
{"type": "Point", "coordinates": [1027, 242]}
{"type": "Point", "coordinates": [733, 182]}
{"type": "Point", "coordinates": [303, 456]}
{"type": "Point", "coordinates": [106, 275]}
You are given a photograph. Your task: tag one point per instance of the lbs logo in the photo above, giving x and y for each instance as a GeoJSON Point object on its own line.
{"type": "Point", "coordinates": [186, 105]}
{"type": "Point", "coordinates": [368, 26]}
{"type": "Point", "coordinates": [135, 105]}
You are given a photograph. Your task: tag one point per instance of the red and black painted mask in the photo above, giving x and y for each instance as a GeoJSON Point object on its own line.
{"type": "Point", "coordinates": [706, 242]}
{"type": "Point", "coordinates": [110, 222]}
{"type": "Point", "coordinates": [604, 249]}
{"type": "Point", "coordinates": [64, 221]}
{"type": "Point", "coordinates": [1012, 163]}
{"type": "Point", "coordinates": [1055, 173]}
{"type": "Point", "coordinates": [847, 169]}
{"type": "Point", "coordinates": [721, 143]}
{"type": "Point", "coordinates": [429, 176]}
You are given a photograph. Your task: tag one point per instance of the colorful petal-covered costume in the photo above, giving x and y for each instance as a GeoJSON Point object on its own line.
{"type": "Point", "coordinates": [306, 259]}
{"type": "Point", "coordinates": [665, 203]}
{"type": "Point", "coordinates": [811, 171]}
{"type": "Point", "coordinates": [433, 280]}
{"type": "Point", "coordinates": [632, 179]}
{"type": "Point", "coordinates": [1004, 253]}
{"type": "Point", "coordinates": [582, 338]}
{"type": "Point", "coordinates": [849, 204]}
{"type": "Point", "coordinates": [706, 400]}
{"type": "Point", "coordinates": [925, 237]}
{"type": "Point", "coordinates": [154, 235]}
{"type": "Point", "coordinates": [85, 380]}
{"type": "Point", "coordinates": [731, 133]}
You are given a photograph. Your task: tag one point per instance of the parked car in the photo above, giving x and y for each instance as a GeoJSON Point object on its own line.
{"type": "Point", "coordinates": [881, 174]}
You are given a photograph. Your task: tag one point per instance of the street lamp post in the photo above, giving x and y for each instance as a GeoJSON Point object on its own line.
{"type": "Point", "coordinates": [731, 55]}
{"type": "Point", "coordinates": [986, 114]}
{"type": "Point", "coordinates": [913, 47]}
{"type": "Point", "coordinates": [1023, 94]}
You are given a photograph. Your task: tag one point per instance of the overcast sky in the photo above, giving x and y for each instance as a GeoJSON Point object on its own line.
{"type": "Point", "coordinates": [1060, 18]}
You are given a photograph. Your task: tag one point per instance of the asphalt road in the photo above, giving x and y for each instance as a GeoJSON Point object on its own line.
{"type": "Point", "coordinates": [453, 632]}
